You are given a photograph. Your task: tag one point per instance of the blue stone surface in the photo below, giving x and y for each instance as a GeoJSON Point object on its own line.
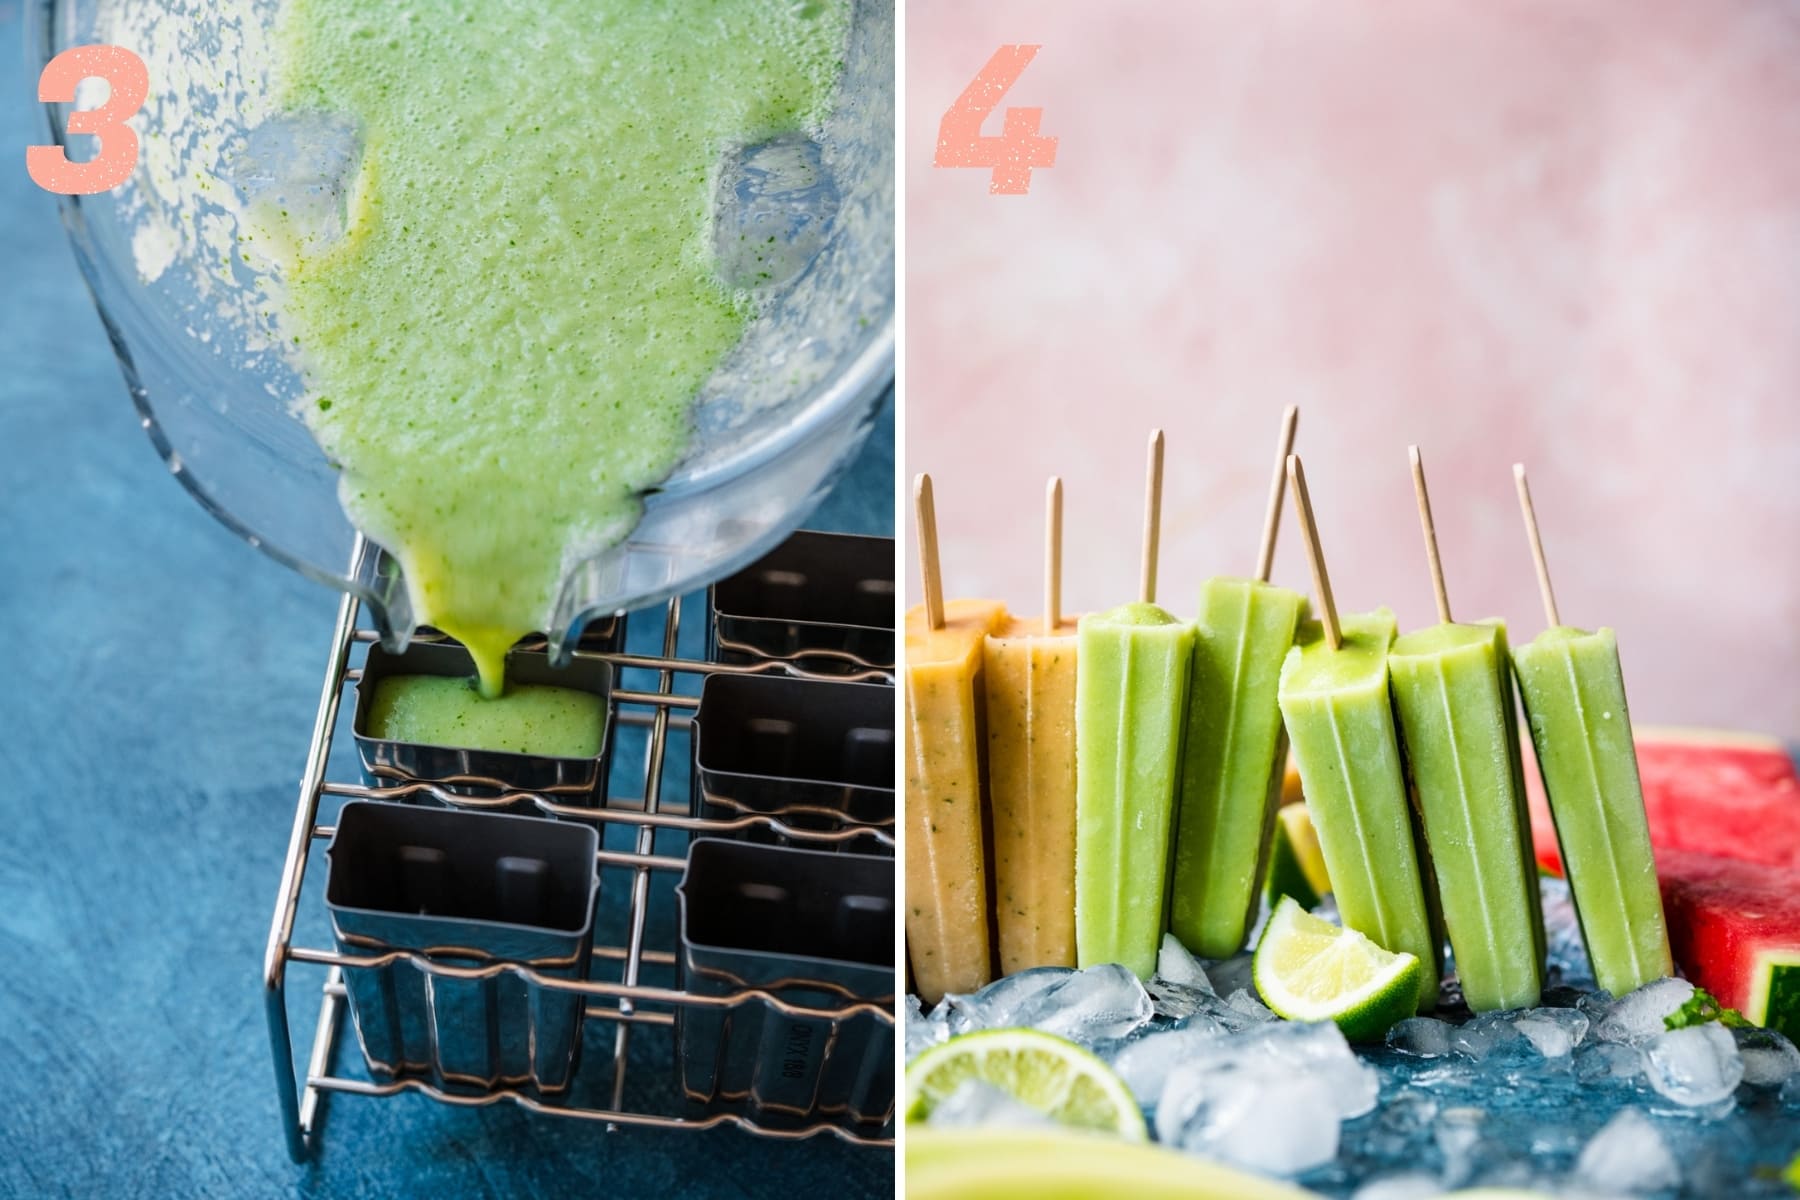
{"type": "Point", "coordinates": [153, 725]}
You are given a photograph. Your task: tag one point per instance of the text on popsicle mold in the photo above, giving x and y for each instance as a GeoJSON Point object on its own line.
{"type": "Point", "coordinates": [1017, 148]}
{"type": "Point", "coordinates": [124, 72]}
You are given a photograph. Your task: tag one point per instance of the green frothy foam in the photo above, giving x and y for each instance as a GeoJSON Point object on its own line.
{"type": "Point", "coordinates": [437, 710]}
{"type": "Point", "coordinates": [502, 349]}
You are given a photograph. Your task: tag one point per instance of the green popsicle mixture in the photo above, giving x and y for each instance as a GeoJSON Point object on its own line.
{"type": "Point", "coordinates": [1453, 693]}
{"type": "Point", "coordinates": [1232, 763]}
{"type": "Point", "coordinates": [1341, 722]}
{"type": "Point", "coordinates": [444, 710]}
{"type": "Point", "coordinates": [1130, 699]}
{"type": "Point", "coordinates": [501, 352]}
{"type": "Point", "coordinates": [1574, 693]}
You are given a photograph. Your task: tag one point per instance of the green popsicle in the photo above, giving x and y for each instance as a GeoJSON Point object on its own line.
{"type": "Point", "coordinates": [1130, 696]}
{"type": "Point", "coordinates": [1233, 761]}
{"type": "Point", "coordinates": [1341, 722]}
{"type": "Point", "coordinates": [1453, 695]}
{"type": "Point", "coordinates": [1574, 695]}
{"type": "Point", "coordinates": [1454, 700]}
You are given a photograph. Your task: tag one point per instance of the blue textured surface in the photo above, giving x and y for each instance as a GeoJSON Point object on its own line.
{"type": "Point", "coordinates": [152, 732]}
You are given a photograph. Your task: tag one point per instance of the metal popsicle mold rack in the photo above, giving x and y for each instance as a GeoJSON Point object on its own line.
{"type": "Point", "coordinates": [624, 1004]}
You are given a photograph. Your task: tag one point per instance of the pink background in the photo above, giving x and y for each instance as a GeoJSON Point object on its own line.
{"type": "Point", "coordinates": [1562, 234]}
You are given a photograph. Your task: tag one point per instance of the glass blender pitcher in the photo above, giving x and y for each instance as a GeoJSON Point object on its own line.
{"type": "Point", "coordinates": [772, 428]}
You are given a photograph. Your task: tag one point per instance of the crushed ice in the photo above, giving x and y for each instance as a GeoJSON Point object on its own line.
{"type": "Point", "coordinates": [1583, 1095]}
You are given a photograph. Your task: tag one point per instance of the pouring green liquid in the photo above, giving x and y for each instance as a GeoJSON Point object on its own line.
{"type": "Point", "coordinates": [502, 349]}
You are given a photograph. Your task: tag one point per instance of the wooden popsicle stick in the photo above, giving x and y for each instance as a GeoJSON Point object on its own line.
{"type": "Point", "coordinates": [926, 512]}
{"type": "Point", "coordinates": [1152, 519]}
{"type": "Point", "coordinates": [1537, 546]}
{"type": "Point", "coordinates": [1429, 527]}
{"type": "Point", "coordinates": [1315, 554]}
{"type": "Point", "coordinates": [1284, 446]}
{"type": "Point", "coordinates": [1053, 556]}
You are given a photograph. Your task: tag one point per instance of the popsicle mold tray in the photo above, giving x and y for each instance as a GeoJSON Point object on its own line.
{"type": "Point", "coordinates": [574, 990]}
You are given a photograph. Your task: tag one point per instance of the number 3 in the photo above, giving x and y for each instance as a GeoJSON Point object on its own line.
{"type": "Point", "coordinates": [48, 166]}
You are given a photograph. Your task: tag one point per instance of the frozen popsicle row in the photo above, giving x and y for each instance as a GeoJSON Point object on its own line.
{"type": "Point", "coordinates": [1077, 787]}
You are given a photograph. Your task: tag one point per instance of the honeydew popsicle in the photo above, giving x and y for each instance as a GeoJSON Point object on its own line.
{"type": "Point", "coordinates": [1235, 754]}
{"type": "Point", "coordinates": [947, 907]}
{"type": "Point", "coordinates": [1130, 697]}
{"type": "Point", "coordinates": [1453, 693]}
{"type": "Point", "coordinates": [1030, 673]}
{"type": "Point", "coordinates": [1340, 720]}
{"type": "Point", "coordinates": [1574, 694]}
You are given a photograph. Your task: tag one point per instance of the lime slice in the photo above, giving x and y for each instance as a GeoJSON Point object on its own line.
{"type": "Point", "coordinates": [1296, 863]}
{"type": "Point", "coordinates": [1054, 1076]}
{"type": "Point", "coordinates": [1310, 970]}
{"type": "Point", "coordinates": [1017, 1164]}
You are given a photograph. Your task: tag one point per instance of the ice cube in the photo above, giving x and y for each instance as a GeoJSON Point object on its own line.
{"type": "Point", "coordinates": [922, 1032]}
{"type": "Point", "coordinates": [1228, 975]}
{"type": "Point", "coordinates": [1175, 965]}
{"type": "Point", "coordinates": [977, 1104]}
{"type": "Point", "coordinates": [999, 1005]}
{"type": "Point", "coordinates": [1145, 1063]}
{"type": "Point", "coordinates": [1403, 1124]}
{"type": "Point", "coordinates": [1253, 1115]}
{"type": "Point", "coordinates": [1414, 1185]}
{"type": "Point", "coordinates": [1596, 1004]}
{"type": "Point", "coordinates": [296, 174]}
{"type": "Point", "coordinates": [774, 206]}
{"type": "Point", "coordinates": [1458, 1135]}
{"type": "Point", "coordinates": [1694, 1067]}
{"type": "Point", "coordinates": [1790, 1093]}
{"type": "Point", "coordinates": [1490, 1035]}
{"type": "Point", "coordinates": [1288, 1048]}
{"type": "Point", "coordinates": [1176, 1000]}
{"type": "Point", "coordinates": [1638, 1016]}
{"type": "Point", "coordinates": [1423, 1037]}
{"type": "Point", "coordinates": [1601, 1061]}
{"type": "Point", "coordinates": [1770, 1060]}
{"type": "Point", "coordinates": [1318, 1049]}
{"type": "Point", "coordinates": [1555, 1032]}
{"type": "Point", "coordinates": [1086, 1006]}
{"type": "Point", "coordinates": [1243, 1001]}
{"type": "Point", "coordinates": [1628, 1155]}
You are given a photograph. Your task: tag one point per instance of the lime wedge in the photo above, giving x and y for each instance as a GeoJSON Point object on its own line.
{"type": "Point", "coordinates": [1045, 1072]}
{"type": "Point", "coordinates": [1296, 863]}
{"type": "Point", "coordinates": [1310, 970]}
{"type": "Point", "coordinates": [1016, 1164]}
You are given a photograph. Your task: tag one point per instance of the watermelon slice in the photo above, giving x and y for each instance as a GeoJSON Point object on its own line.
{"type": "Point", "coordinates": [1734, 927]}
{"type": "Point", "coordinates": [1730, 795]}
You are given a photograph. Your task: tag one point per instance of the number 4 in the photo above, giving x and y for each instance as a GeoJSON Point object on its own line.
{"type": "Point", "coordinates": [1017, 149]}
{"type": "Point", "coordinates": [48, 166]}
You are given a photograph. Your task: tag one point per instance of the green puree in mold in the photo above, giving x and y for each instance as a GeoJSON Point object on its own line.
{"type": "Point", "coordinates": [441, 710]}
{"type": "Point", "coordinates": [502, 350]}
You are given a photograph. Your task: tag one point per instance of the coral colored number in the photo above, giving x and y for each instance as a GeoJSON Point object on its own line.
{"type": "Point", "coordinates": [1019, 146]}
{"type": "Point", "coordinates": [125, 72]}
